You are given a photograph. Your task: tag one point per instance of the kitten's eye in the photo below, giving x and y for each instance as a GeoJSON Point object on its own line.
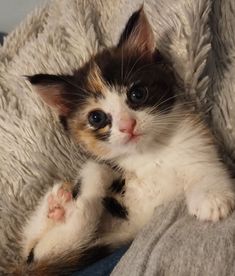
{"type": "Point", "coordinates": [98, 119]}
{"type": "Point", "coordinates": [137, 95]}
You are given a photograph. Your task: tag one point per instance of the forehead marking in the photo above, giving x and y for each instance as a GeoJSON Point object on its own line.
{"type": "Point", "coordinates": [95, 81]}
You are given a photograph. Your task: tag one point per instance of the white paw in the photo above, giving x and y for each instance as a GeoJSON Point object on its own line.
{"type": "Point", "coordinates": [211, 207]}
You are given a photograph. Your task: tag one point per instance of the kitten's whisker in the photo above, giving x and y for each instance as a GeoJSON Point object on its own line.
{"type": "Point", "coordinates": [133, 66]}
{"type": "Point", "coordinates": [74, 84]}
{"type": "Point", "coordinates": [168, 99]}
{"type": "Point", "coordinates": [141, 68]}
{"type": "Point", "coordinates": [122, 66]}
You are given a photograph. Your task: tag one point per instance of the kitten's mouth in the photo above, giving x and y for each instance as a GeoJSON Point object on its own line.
{"type": "Point", "coordinates": [133, 138]}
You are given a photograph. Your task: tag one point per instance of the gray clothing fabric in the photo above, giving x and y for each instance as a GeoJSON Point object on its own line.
{"type": "Point", "coordinates": [175, 243]}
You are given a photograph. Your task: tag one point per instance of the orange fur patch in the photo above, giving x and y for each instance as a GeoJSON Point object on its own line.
{"type": "Point", "coordinates": [83, 134]}
{"type": "Point", "coordinates": [104, 130]}
{"type": "Point", "coordinates": [95, 82]}
{"type": "Point", "coordinates": [87, 138]}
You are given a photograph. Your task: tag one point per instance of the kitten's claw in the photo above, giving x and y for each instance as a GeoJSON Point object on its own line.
{"type": "Point", "coordinates": [209, 207]}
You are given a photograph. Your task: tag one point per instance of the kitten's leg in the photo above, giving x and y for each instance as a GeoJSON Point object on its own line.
{"type": "Point", "coordinates": [78, 228]}
{"type": "Point", "coordinates": [40, 221]}
{"type": "Point", "coordinates": [212, 196]}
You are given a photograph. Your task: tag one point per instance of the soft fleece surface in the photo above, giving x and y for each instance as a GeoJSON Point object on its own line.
{"type": "Point", "coordinates": [200, 38]}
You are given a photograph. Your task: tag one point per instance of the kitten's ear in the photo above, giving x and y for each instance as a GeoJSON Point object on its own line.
{"type": "Point", "coordinates": [55, 90]}
{"type": "Point", "coordinates": [138, 35]}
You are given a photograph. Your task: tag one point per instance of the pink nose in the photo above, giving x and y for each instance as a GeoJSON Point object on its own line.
{"type": "Point", "coordinates": [127, 125]}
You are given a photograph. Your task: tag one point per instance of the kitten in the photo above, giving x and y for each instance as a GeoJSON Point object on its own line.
{"type": "Point", "coordinates": [122, 106]}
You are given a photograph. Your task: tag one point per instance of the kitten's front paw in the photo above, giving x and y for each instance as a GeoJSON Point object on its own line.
{"type": "Point", "coordinates": [211, 207]}
{"type": "Point", "coordinates": [95, 178]}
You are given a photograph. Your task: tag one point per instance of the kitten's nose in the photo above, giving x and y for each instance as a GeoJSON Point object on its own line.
{"type": "Point", "coordinates": [127, 125]}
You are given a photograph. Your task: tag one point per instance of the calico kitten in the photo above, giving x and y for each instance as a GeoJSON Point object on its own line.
{"type": "Point", "coordinates": [122, 106]}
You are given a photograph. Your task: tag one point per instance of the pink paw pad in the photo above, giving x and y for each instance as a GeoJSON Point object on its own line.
{"type": "Point", "coordinates": [57, 202]}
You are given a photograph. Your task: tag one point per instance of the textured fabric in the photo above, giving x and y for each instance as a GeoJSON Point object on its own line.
{"type": "Point", "coordinates": [175, 243]}
{"type": "Point", "coordinates": [104, 266]}
{"type": "Point", "coordinates": [34, 150]}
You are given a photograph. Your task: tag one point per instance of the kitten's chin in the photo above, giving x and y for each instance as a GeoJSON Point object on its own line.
{"type": "Point", "coordinates": [131, 145]}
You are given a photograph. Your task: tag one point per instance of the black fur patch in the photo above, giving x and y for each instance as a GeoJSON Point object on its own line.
{"type": "Point", "coordinates": [129, 27]}
{"type": "Point", "coordinates": [76, 189]}
{"type": "Point", "coordinates": [102, 136]}
{"type": "Point", "coordinates": [115, 208]}
{"type": "Point", "coordinates": [44, 79]}
{"type": "Point", "coordinates": [63, 121]}
{"type": "Point", "coordinates": [117, 185]}
{"type": "Point", "coordinates": [30, 258]}
{"type": "Point", "coordinates": [157, 77]}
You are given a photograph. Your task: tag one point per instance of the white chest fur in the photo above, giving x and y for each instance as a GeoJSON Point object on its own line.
{"type": "Point", "coordinates": [151, 181]}
{"type": "Point", "coordinates": [187, 164]}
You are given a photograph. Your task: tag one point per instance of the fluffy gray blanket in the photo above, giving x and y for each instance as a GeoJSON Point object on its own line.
{"type": "Point", "coordinates": [199, 37]}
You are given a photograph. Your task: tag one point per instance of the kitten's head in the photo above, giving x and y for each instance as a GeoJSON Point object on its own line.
{"type": "Point", "coordinates": [119, 101]}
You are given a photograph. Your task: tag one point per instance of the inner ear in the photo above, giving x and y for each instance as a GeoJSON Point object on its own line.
{"type": "Point", "coordinates": [57, 91]}
{"type": "Point", "coordinates": [138, 35]}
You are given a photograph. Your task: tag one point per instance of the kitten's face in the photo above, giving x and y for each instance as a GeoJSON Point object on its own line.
{"type": "Point", "coordinates": [126, 103]}
{"type": "Point", "coordinates": [118, 102]}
